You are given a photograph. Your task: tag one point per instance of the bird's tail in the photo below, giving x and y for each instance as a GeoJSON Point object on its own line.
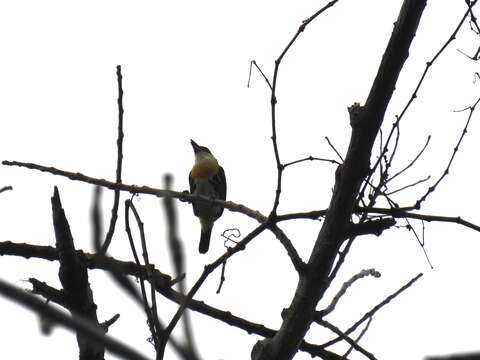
{"type": "Point", "coordinates": [204, 240]}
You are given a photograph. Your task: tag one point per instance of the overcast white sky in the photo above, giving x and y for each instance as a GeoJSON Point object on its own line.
{"type": "Point", "coordinates": [185, 66]}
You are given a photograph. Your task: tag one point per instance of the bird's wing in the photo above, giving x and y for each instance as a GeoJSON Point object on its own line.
{"type": "Point", "coordinates": [220, 185]}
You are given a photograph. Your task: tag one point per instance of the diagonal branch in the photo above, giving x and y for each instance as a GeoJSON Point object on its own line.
{"type": "Point", "coordinates": [77, 324]}
{"type": "Point", "coordinates": [365, 122]}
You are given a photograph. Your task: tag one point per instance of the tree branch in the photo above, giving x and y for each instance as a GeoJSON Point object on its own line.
{"type": "Point", "coordinates": [365, 122]}
{"type": "Point", "coordinates": [78, 324]}
{"type": "Point", "coordinates": [74, 278]}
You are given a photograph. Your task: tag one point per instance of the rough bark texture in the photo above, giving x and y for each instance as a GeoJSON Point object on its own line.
{"type": "Point", "coordinates": [74, 278]}
{"type": "Point", "coordinates": [365, 122]}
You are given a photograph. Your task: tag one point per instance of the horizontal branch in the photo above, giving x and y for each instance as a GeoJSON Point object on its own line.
{"type": "Point", "coordinates": [162, 284]}
{"type": "Point", "coordinates": [134, 189]}
{"type": "Point", "coordinates": [92, 261]}
{"type": "Point", "coordinates": [398, 213]}
{"type": "Point", "coordinates": [182, 196]}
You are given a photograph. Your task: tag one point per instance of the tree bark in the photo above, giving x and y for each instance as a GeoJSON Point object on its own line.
{"type": "Point", "coordinates": [365, 122]}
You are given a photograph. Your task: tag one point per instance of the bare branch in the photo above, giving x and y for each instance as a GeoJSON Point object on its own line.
{"type": "Point", "coordinates": [400, 213]}
{"type": "Point", "coordinates": [359, 337]}
{"type": "Point", "coordinates": [273, 101]}
{"type": "Point", "coordinates": [411, 162]}
{"type": "Point", "coordinates": [311, 158]}
{"type": "Point", "coordinates": [333, 148]}
{"type": "Point", "coordinates": [208, 270]}
{"type": "Point", "coordinates": [369, 227]}
{"type": "Point", "coordinates": [5, 188]}
{"type": "Point", "coordinates": [365, 122]}
{"type": "Point", "coordinates": [152, 316]}
{"type": "Point", "coordinates": [408, 186]}
{"type": "Point", "coordinates": [254, 63]}
{"type": "Point", "coordinates": [345, 337]}
{"type": "Point", "coordinates": [116, 196]}
{"type": "Point", "coordinates": [377, 307]}
{"type": "Point", "coordinates": [77, 324]}
{"type": "Point", "coordinates": [428, 65]}
{"type": "Point", "coordinates": [134, 189]}
{"type": "Point", "coordinates": [49, 293]}
{"type": "Point", "coordinates": [163, 285]}
{"type": "Point", "coordinates": [73, 275]}
{"type": "Point", "coordinates": [432, 188]}
{"type": "Point", "coordinates": [343, 290]}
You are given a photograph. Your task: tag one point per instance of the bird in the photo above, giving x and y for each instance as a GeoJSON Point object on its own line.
{"type": "Point", "coordinates": [207, 178]}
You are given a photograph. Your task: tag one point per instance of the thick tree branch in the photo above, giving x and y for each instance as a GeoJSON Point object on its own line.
{"type": "Point", "coordinates": [74, 278]}
{"type": "Point", "coordinates": [49, 293]}
{"type": "Point", "coordinates": [365, 122]}
{"type": "Point", "coordinates": [369, 227]}
{"type": "Point", "coordinates": [93, 333]}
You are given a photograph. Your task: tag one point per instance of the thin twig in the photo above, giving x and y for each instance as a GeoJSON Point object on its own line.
{"type": "Point", "coordinates": [408, 186]}
{"type": "Point", "coordinates": [414, 94]}
{"type": "Point", "coordinates": [333, 148]}
{"type": "Point", "coordinates": [254, 63]}
{"type": "Point", "coordinates": [222, 277]}
{"type": "Point", "coordinates": [152, 322]}
{"type": "Point", "coordinates": [420, 242]}
{"type": "Point", "coordinates": [311, 158]}
{"type": "Point", "coordinates": [206, 272]}
{"type": "Point", "coordinates": [359, 337]}
{"type": "Point", "coordinates": [273, 101]}
{"type": "Point", "coordinates": [432, 188]}
{"type": "Point", "coordinates": [412, 162]}
{"type": "Point", "coordinates": [116, 196]}
{"type": "Point", "coordinates": [348, 339]}
{"type": "Point", "coordinates": [371, 312]}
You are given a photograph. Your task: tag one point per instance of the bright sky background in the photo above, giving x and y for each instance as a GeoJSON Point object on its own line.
{"type": "Point", "coordinates": [185, 66]}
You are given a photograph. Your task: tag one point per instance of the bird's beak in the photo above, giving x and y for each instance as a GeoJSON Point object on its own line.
{"type": "Point", "coordinates": [196, 147]}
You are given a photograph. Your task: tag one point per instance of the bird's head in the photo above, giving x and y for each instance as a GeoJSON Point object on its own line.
{"type": "Point", "coordinates": [199, 149]}
{"type": "Point", "coordinates": [205, 163]}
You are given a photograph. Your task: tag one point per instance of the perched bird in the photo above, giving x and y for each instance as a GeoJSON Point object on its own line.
{"type": "Point", "coordinates": [206, 178]}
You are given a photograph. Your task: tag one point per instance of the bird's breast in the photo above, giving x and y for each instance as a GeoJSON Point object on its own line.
{"type": "Point", "coordinates": [204, 168]}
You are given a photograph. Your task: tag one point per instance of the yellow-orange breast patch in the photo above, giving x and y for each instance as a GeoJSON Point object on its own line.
{"type": "Point", "coordinates": [204, 168]}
